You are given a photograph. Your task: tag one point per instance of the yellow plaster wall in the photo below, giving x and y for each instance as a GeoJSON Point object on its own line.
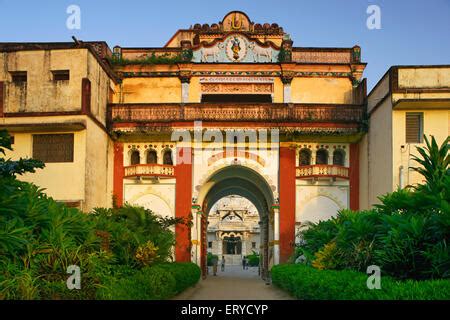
{"type": "Point", "coordinates": [278, 91]}
{"type": "Point", "coordinates": [424, 77]}
{"type": "Point", "coordinates": [321, 90]}
{"type": "Point", "coordinates": [62, 181]}
{"type": "Point", "coordinates": [100, 87]}
{"type": "Point", "coordinates": [42, 94]}
{"type": "Point", "coordinates": [99, 168]}
{"type": "Point", "coordinates": [435, 122]}
{"type": "Point", "coordinates": [379, 166]}
{"type": "Point", "coordinates": [195, 92]}
{"type": "Point", "coordinates": [151, 90]}
{"type": "Point", "coordinates": [363, 173]}
{"type": "Point", "coordinates": [377, 94]}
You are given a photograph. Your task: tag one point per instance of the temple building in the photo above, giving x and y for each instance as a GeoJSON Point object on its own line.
{"type": "Point", "coordinates": [233, 229]}
{"type": "Point", "coordinates": [226, 109]}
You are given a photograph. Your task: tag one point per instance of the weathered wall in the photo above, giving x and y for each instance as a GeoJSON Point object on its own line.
{"type": "Point", "coordinates": [41, 93]}
{"type": "Point", "coordinates": [98, 167]}
{"type": "Point", "coordinates": [151, 90]}
{"type": "Point", "coordinates": [380, 152]}
{"type": "Point", "coordinates": [321, 90]}
{"type": "Point", "coordinates": [101, 85]}
{"type": "Point", "coordinates": [424, 77]}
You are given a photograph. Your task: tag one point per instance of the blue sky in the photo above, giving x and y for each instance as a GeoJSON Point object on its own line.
{"type": "Point", "coordinates": [412, 32]}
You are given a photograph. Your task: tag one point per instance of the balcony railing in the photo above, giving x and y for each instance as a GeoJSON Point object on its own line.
{"type": "Point", "coordinates": [263, 112]}
{"type": "Point", "coordinates": [155, 170]}
{"type": "Point", "coordinates": [322, 171]}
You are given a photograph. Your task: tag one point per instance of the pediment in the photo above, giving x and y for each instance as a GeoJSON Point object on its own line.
{"type": "Point", "coordinates": [236, 47]}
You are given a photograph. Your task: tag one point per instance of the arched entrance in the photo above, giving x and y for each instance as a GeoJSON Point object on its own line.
{"type": "Point", "coordinates": [247, 183]}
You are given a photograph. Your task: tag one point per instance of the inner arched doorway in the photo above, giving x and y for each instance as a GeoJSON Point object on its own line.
{"type": "Point", "coordinates": [247, 183]}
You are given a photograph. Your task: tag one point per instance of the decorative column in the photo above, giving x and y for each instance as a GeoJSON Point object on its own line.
{"type": "Point", "coordinates": [185, 69]}
{"type": "Point", "coordinates": [244, 245]}
{"type": "Point", "coordinates": [219, 244]}
{"type": "Point", "coordinates": [276, 233]}
{"type": "Point", "coordinates": [287, 202]}
{"type": "Point", "coordinates": [195, 232]}
{"type": "Point", "coordinates": [286, 78]}
{"type": "Point", "coordinates": [185, 78]}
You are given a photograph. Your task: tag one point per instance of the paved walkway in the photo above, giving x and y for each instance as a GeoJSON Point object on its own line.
{"type": "Point", "coordinates": [234, 284]}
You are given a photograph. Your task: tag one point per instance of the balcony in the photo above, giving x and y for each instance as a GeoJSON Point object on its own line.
{"type": "Point", "coordinates": [254, 112]}
{"type": "Point", "coordinates": [318, 171]}
{"type": "Point", "coordinates": [150, 170]}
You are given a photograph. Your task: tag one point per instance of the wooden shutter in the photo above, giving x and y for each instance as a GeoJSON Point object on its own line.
{"type": "Point", "coordinates": [53, 147]}
{"type": "Point", "coordinates": [414, 127]}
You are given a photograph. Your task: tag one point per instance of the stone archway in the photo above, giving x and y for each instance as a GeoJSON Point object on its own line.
{"type": "Point", "coordinates": [247, 183]}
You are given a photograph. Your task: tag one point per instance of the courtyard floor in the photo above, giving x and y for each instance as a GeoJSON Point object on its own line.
{"type": "Point", "coordinates": [233, 284]}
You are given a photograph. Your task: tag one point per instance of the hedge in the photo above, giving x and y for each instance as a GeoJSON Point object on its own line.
{"type": "Point", "coordinates": [307, 283]}
{"type": "Point", "coordinates": [186, 274]}
{"type": "Point", "coordinates": [159, 282]}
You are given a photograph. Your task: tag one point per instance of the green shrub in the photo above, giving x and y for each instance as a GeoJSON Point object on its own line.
{"type": "Point", "coordinates": [253, 259]}
{"type": "Point", "coordinates": [307, 283]}
{"type": "Point", "coordinates": [149, 283]}
{"type": "Point", "coordinates": [186, 274]}
{"type": "Point", "coordinates": [209, 258]}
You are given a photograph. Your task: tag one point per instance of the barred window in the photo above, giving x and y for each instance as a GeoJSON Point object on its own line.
{"type": "Point", "coordinates": [53, 147]}
{"type": "Point", "coordinates": [414, 127]}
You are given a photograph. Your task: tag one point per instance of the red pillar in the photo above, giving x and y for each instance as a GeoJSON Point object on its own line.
{"type": "Point", "coordinates": [118, 173]}
{"type": "Point", "coordinates": [183, 192]}
{"type": "Point", "coordinates": [354, 176]}
{"type": "Point", "coordinates": [287, 202]}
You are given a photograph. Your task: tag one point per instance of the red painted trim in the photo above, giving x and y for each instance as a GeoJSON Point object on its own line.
{"type": "Point", "coordinates": [1, 99]}
{"type": "Point", "coordinates": [354, 176]}
{"type": "Point", "coordinates": [287, 202]}
{"type": "Point", "coordinates": [183, 192]}
{"type": "Point", "coordinates": [86, 96]}
{"type": "Point", "coordinates": [118, 173]}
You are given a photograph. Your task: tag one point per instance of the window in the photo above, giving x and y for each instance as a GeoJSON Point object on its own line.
{"type": "Point", "coordinates": [61, 75]}
{"type": "Point", "coordinates": [253, 245]}
{"type": "Point", "coordinates": [12, 139]}
{"type": "Point", "coordinates": [152, 157]}
{"type": "Point", "coordinates": [339, 157]}
{"type": "Point", "coordinates": [414, 127]}
{"type": "Point", "coordinates": [322, 156]}
{"type": "Point", "coordinates": [210, 244]}
{"type": "Point", "coordinates": [167, 158]}
{"type": "Point", "coordinates": [305, 157]}
{"type": "Point", "coordinates": [135, 158]}
{"type": "Point", "coordinates": [19, 77]}
{"type": "Point", "coordinates": [53, 147]}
